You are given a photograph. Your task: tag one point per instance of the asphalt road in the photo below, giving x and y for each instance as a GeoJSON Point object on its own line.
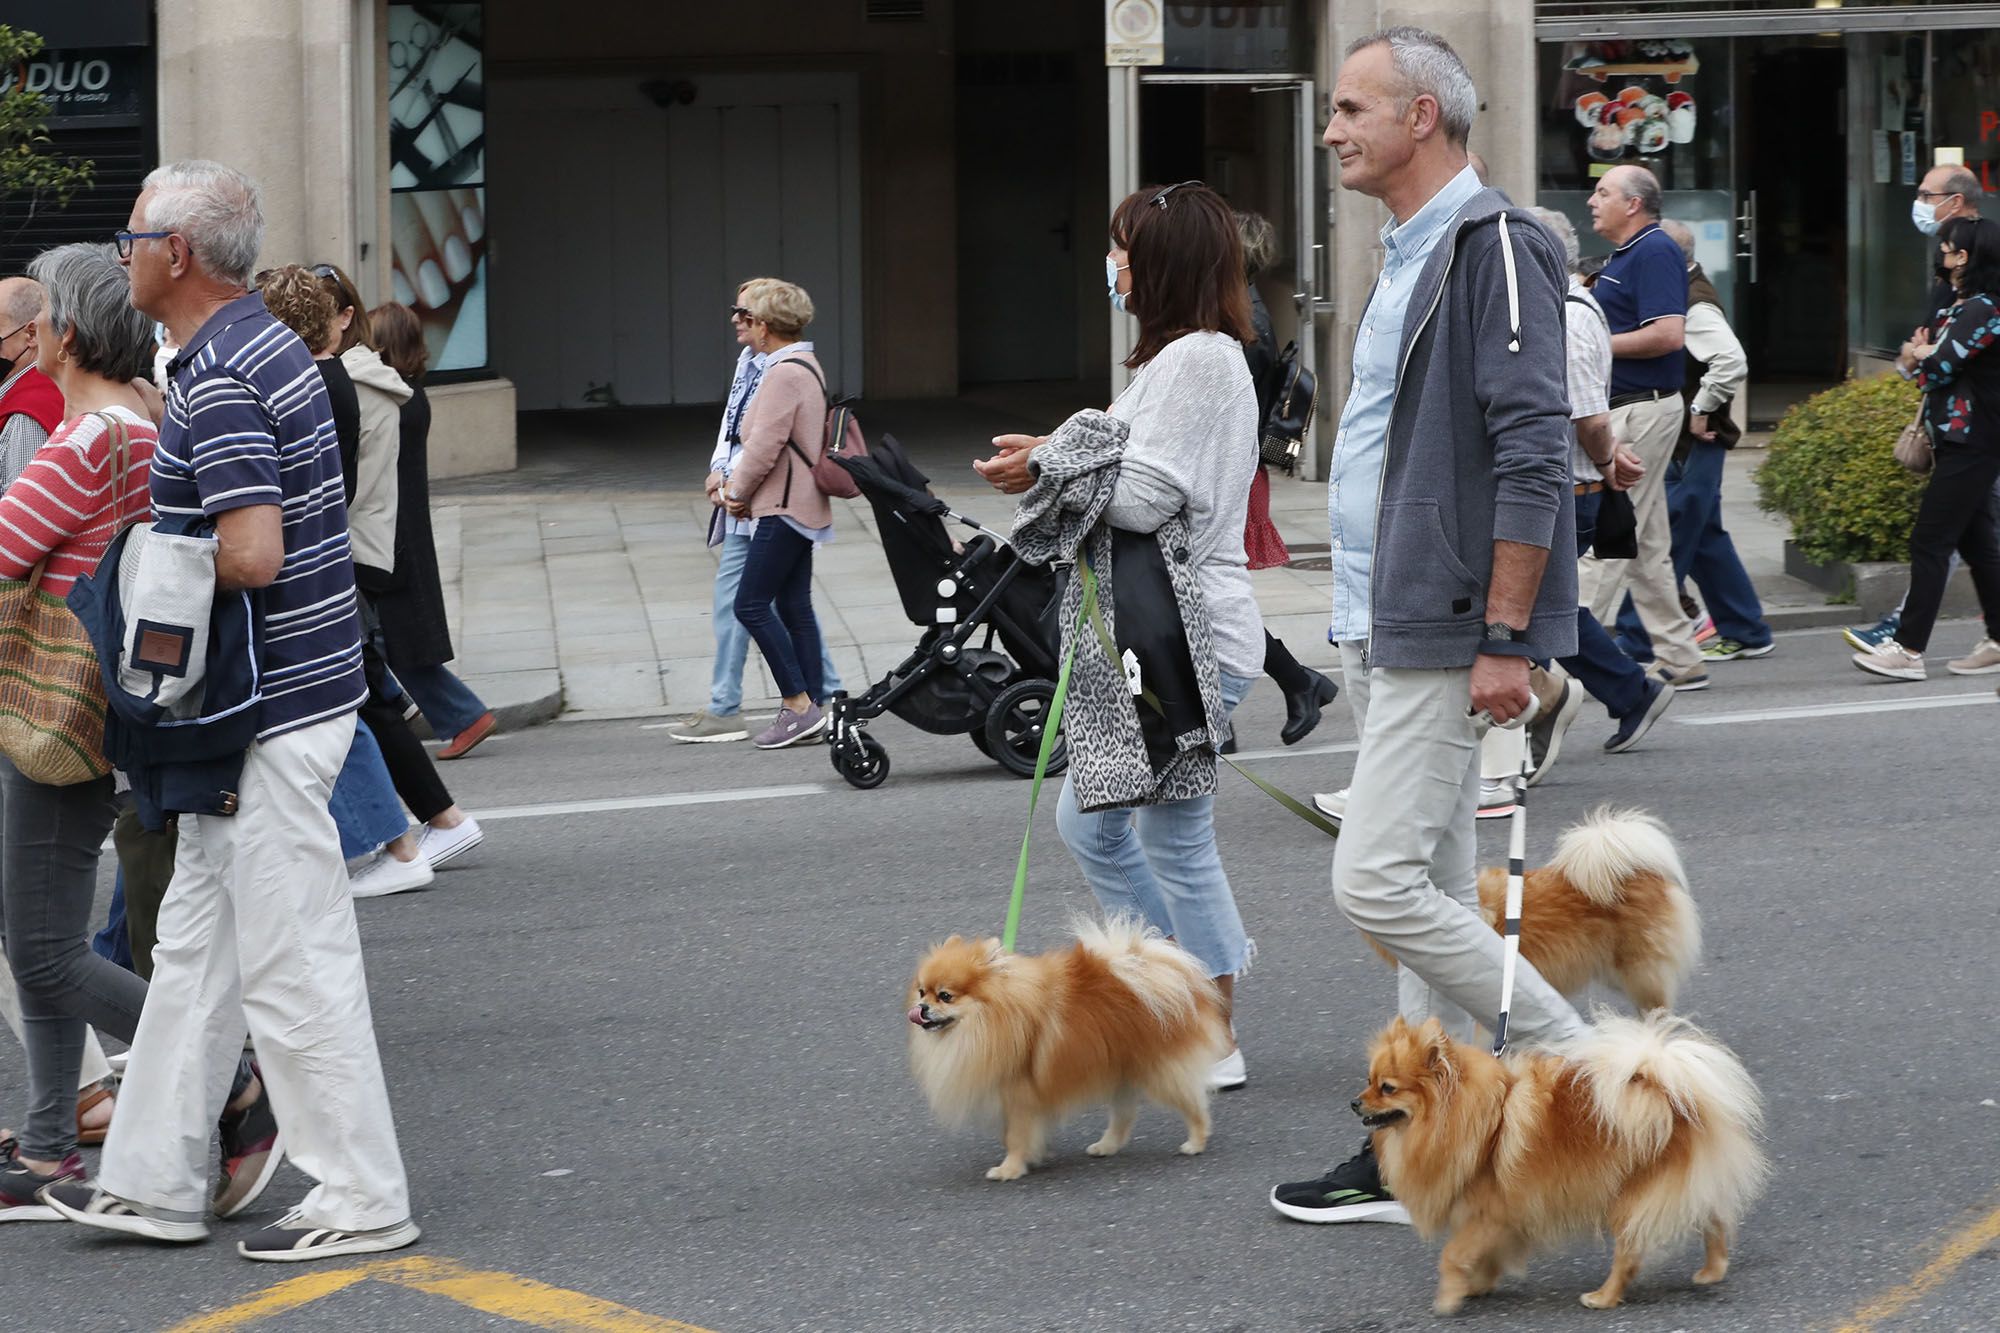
{"type": "Point", "coordinates": [655, 1054]}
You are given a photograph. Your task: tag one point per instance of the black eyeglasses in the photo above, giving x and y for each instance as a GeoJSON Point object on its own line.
{"type": "Point", "coordinates": [1160, 200]}
{"type": "Point", "coordinates": [16, 329]}
{"type": "Point", "coordinates": [123, 240]}
{"type": "Point", "coordinates": [740, 312]}
{"type": "Point", "coordinates": [1936, 194]}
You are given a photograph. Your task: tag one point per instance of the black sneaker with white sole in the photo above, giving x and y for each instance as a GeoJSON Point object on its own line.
{"type": "Point", "coordinates": [1351, 1192]}
{"type": "Point", "coordinates": [92, 1207]}
{"type": "Point", "coordinates": [293, 1240]}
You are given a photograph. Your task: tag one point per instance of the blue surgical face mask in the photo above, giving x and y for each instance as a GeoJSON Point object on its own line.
{"type": "Point", "coordinates": [1925, 216]}
{"type": "Point", "coordinates": [1112, 268]}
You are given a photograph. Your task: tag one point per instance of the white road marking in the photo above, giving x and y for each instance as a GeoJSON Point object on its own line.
{"type": "Point", "coordinates": [614, 803]}
{"type": "Point", "coordinates": [1840, 710]}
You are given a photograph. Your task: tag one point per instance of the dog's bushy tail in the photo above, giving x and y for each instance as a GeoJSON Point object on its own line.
{"type": "Point", "coordinates": [1652, 1077]}
{"type": "Point", "coordinates": [1611, 846]}
{"type": "Point", "coordinates": [1168, 980]}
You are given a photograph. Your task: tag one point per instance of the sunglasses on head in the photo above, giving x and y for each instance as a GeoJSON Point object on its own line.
{"type": "Point", "coordinates": [1160, 200]}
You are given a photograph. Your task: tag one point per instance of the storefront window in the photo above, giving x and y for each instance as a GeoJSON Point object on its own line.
{"type": "Point", "coordinates": [437, 155]}
{"type": "Point", "coordinates": [1261, 37]}
{"type": "Point", "coordinates": [1661, 104]}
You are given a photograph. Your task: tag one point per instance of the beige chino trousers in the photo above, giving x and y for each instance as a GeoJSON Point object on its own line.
{"type": "Point", "coordinates": [1651, 429]}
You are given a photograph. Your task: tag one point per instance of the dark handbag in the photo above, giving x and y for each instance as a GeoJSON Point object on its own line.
{"type": "Point", "coordinates": [1617, 527]}
{"type": "Point", "coordinates": [1283, 433]}
{"type": "Point", "coordinates": [1149, 627]}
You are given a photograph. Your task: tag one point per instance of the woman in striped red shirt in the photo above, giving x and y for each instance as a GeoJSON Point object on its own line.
{"type": "Point", "coordinates": [64, 509]}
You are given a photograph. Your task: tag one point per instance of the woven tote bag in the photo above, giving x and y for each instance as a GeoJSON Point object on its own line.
{"type": "Point", "coordinates": [51, 692]}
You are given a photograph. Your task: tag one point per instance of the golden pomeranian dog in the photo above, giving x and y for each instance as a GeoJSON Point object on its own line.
{"type": "Point", "coordinates": [1121, 1014]}
{"type": "Point", "coordinates": [1612, 906]}
{"type": "Point", "coordinates": [1644, 1127]}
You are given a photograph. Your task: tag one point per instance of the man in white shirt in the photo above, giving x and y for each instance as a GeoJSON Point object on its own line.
{"type": "Point", "coordinates": [1703, 549]}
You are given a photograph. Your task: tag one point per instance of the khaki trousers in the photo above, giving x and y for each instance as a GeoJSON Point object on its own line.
{"type": "Point", "coordinates": [1651, 429]}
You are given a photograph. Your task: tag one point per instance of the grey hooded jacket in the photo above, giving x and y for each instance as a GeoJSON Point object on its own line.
{"type": "Point", "coordinates": [1478, 444]}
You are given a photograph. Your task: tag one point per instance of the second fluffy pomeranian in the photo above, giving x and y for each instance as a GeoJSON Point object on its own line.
{"type": "Point", "coordinates": [1028, 1039]}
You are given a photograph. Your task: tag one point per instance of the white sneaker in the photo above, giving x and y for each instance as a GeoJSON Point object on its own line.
{"type": "Point", "coordinates": [1332, 804]}
{"type": "Point", "coordinates": [386, 875]}
{"type": "Point", "coordinates": [1496, 798]}
{"type": "Point", "coordinates": [1228, 1072]}
{"type": "Point", "coordinates": [438, 845]}
{"type": "Point", "coordinates": [118, 1061]}
{"type": "Point", "coordinates": [1893, 660]}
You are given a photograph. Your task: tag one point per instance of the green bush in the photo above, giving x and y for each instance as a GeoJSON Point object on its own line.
{"type": "Point", "coordinates": [1833, 472]}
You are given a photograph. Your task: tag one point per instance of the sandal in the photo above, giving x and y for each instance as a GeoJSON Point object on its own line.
{"type": "Point", "coordinates": [91, 1135]}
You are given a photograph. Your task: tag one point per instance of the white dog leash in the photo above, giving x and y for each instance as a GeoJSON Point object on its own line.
{"type": "Point", "coordinates": [1517, 852]}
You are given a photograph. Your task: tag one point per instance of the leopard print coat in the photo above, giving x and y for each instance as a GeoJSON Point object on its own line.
{"type": "Point", "coordinates": [1060, 516]}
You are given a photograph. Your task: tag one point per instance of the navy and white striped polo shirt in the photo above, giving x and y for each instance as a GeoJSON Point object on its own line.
{"type": "Point", "coordinates": [248, 423]}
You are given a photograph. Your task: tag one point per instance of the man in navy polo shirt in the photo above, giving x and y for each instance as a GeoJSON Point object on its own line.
{"type": "Point", "coordinates": [259, 924]}
{"type": "Point", "coordinates": [1643, 291]}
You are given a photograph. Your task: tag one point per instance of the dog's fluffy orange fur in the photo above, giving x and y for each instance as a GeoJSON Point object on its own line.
{"type": "Point", "coordinates": [1121, 1014]}
{"type": "Point", "coordinates": [1612, 906]}
{"type": "Point", "coordinates": [1645, 1127]}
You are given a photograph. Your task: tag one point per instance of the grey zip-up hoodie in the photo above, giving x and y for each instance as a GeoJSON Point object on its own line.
{"type": "Point", "coordinates": [1478, 444]}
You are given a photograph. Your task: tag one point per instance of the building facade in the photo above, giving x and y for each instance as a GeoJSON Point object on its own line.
{"type": "Point", "coordinates": [570, 194]}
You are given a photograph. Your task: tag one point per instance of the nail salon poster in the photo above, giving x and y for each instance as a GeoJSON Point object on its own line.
{"type": "Point", "coordinates": [437, 176]}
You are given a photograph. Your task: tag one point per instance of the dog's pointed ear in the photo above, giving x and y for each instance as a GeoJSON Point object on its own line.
{"type": "Point", "coordinates": [1434, 1041]}
{"type": "Point", "coordinates": [993, 949]}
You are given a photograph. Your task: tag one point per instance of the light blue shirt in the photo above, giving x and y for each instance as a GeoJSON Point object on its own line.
{"type": "Point", "coordinates": [1354, 483]}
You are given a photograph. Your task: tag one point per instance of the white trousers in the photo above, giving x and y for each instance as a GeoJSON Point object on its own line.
{"type": "Point", "coordinates": [258, 925]}
{"type": "Point", "coordinates": [1652, 429]}
{"type": "Point", "coordinates": [95, 1070]}
{"type": "Point", "coordinates": [1405, 868]}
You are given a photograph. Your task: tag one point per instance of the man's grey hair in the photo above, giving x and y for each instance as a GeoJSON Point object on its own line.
{"type": "Point", "coordinates": [1960, 180]}
{"type": "Point", "coordinates": [90, 294]}
{"type": "Point", "coordinates": [1426, 63]}
{"type": "Point", "coordinates": [20, 301]}
{"type": "Point", "coordinates": [1683, 236]}
{"type": "Point", "coordinates": [1563, 230]}
{"type": "Point", "coordinates": [1639, 183]}
{"type": "Point", "coordinates": [217, 210]}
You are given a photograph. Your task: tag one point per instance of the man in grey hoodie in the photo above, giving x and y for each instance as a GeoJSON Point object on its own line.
{"type": "Point", "coordinates": [1450, 481]}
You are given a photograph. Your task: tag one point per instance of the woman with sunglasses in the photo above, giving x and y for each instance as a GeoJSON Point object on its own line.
{"type": "Point", "coordinates": [1176, 265]}
{"type": "Point", "coordinates": [1956, 362]}
{"type": "Point", "coordinates": [729, 537]}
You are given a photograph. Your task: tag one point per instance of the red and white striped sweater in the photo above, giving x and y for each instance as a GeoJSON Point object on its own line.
{"type": "Point", "coordinates": [60, 506]}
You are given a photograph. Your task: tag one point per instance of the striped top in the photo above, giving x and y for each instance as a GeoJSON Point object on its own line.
{"type": "Point", "coordinates": [61, 506]}
{"type": "Point", "coordinates": [248, 423]}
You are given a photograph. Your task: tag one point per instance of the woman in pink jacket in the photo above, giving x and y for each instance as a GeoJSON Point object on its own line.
{"type": "Point", "coordinates": [772, 482]}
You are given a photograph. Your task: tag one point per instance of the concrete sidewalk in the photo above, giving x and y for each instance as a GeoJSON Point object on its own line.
{"type": "Point", "coordinates": [582, 584]}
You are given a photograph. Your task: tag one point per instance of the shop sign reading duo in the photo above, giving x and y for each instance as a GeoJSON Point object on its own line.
{"type": "Point", "coordinates": [81, 85]}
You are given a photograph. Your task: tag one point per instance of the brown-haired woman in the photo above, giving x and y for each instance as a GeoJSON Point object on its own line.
{"type": "Point", "coordinates": [412, 607]}
{"type": "Point", "coordinates": [1176, 264]}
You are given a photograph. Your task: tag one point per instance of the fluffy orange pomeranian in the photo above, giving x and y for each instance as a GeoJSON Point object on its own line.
{"type": "Point", "coordinates": [1644, 1127]}
{"type": "Point", "coordinates": [1121, 1014]}
{"type": "Point", "coordinates": [1612, 907]}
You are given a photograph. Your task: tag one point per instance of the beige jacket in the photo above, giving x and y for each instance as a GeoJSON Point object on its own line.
{"type": "Point", "coordinates": [371, 518]}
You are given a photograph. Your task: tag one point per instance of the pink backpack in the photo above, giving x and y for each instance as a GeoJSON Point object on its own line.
{"type": "Point", "coordinates": [842, 440]}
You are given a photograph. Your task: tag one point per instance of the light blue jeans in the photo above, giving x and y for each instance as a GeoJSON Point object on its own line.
{"type": "Point", "coordinates": [732, 641]}
{"type": "Point", "coordinates": [364, 804]}
{"type": "Point", "coordinates": [1159, 863]}
{"type": "Point", "coordinates": [446, 702]}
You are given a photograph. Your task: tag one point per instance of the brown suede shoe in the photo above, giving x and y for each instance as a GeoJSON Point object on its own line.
{"type": "Point", "coordinates": [461, 744]}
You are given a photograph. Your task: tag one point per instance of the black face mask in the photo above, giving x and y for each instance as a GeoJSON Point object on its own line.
{"type": "Point", "coordinates": [6, 368]}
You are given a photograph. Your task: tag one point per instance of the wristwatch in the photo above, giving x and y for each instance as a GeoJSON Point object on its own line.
{"type": "Point", "coordinates": [1503, 640]}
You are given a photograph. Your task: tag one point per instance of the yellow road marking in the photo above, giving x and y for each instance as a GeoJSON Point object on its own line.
{"type": "Point", "coordinates": [1956, 1251]}
{"type": "Point", "coordinates": [520, 1299]}
{"type": "Point", "coordinates": [276, 1300]}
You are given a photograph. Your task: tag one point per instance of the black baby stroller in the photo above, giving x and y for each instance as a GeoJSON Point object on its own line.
{"type": "Point", "coordinates": [949, 684]}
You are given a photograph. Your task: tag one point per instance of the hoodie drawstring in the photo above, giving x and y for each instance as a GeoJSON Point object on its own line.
{"type": "Point", "coordinates": [1513, 286]}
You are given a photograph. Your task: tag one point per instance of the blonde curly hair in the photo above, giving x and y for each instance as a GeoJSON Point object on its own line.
{"type": "Point", "coordinates": [300, 301]}
{"type": "Point", "coordinates": [783, 305]}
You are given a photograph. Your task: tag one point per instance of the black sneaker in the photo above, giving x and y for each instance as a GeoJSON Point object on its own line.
{"type": "Point", "coordinates": [252, 1150]}
{"type": "Point", "coordinates": [1351, 1192]}
{"type": "Point", "coordinates": [293, 1240]}
{"type": "Point", "coordinates": [1635, 724]}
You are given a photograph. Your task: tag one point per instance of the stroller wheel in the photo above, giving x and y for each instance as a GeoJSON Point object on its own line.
{"type": "Point", "coordinates": [978, 735]}
{"type": "Point", "coordinates": [863, 761]}
{"type": "Point", "coordinates": [1014, 726]}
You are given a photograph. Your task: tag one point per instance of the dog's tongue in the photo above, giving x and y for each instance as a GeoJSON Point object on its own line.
{"type": "Point", "coordinates": [917, 1015]}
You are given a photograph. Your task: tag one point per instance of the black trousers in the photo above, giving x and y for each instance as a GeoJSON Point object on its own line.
{"type": "Point", "coordinates": [1957, 513]}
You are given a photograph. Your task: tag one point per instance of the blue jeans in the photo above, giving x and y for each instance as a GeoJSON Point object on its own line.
{"type": "Point", "coordinates": [446, 702]}
{"type": "Point", "coordinates": [1612, 678]}
{"type": "Point", "coordinates": [774, 602]}
{"type": "Point", "coordinates": [114, 941]}
{"type": "Point", "coordinates": [364, 804]}
{"type": "Point", "coordinates": [732, 641]}
{"type": "Point", "coordinates": [1159, 864]}
{"type": "Point", "coordinates": [1705, 552]}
